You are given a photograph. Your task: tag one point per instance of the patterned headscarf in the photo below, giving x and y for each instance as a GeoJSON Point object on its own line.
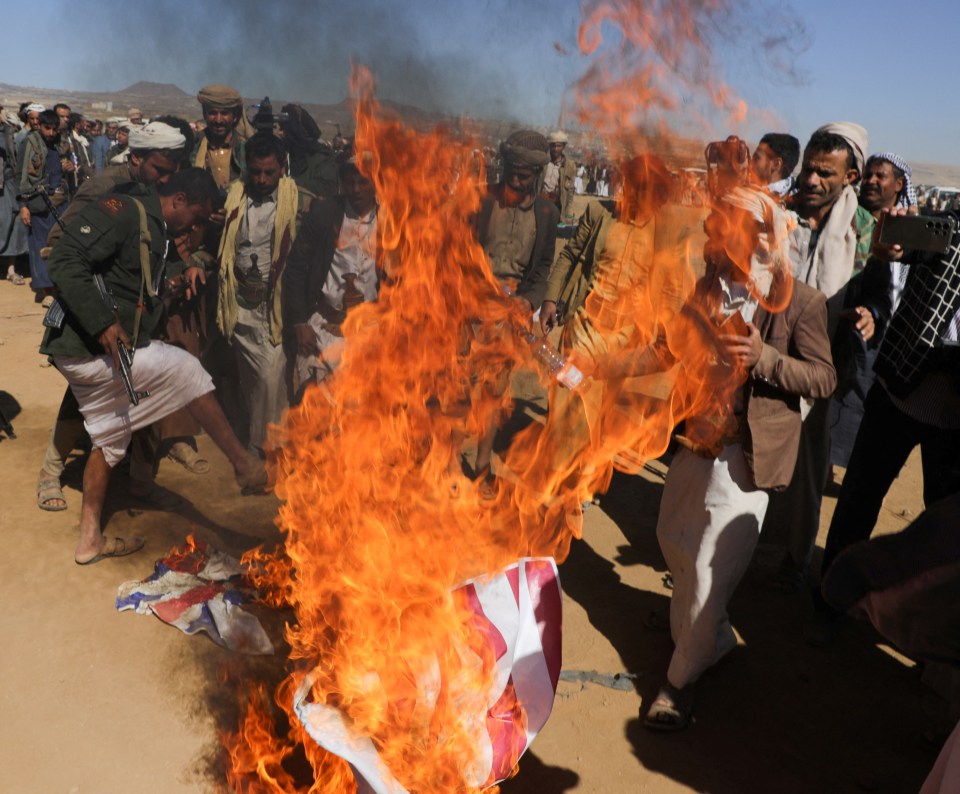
{"type": "Point", "coordinates": [907, 197]}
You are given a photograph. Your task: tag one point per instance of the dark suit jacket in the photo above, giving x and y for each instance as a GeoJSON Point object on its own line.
{"type": "Point", "coordinates": [534, 282]}
{"type": "Point", "coordinates": [308, 264]}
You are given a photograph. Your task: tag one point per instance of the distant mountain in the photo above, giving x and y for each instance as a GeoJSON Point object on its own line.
{"type": "Point", "coordinates": [146, 88]}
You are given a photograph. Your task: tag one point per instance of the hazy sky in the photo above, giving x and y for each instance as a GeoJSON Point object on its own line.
{"type": "Point", "coordinates": [808, 62]}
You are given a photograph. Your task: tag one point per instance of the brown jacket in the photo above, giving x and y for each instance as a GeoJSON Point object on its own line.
{"type": "Point", "coordinates": [795, 362]}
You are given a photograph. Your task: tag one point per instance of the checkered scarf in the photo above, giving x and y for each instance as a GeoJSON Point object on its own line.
{"type": "Point", "coordinates": [926, 314]}
{"type": "Point", "coordinates": [907, 197]}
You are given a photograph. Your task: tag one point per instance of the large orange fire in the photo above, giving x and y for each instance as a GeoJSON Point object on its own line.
{"type": "Point", "coordinates": [378, 530]}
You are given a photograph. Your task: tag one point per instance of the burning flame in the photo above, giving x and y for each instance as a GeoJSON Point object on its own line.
{"type": "Point", "coordinates": [378, 529]}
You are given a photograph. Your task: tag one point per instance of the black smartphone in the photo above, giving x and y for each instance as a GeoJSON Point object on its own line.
{"type": "Point", "coordinates": [918, 232]}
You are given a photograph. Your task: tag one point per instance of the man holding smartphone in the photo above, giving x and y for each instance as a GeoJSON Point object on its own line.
{"type": "Point", "coordinates": [886, 184]}
{"type": "Point", "coordinates": [915, 401]}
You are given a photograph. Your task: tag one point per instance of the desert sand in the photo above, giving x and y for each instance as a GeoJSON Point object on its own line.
{"type": "Point", "coordinates": [97, 702]}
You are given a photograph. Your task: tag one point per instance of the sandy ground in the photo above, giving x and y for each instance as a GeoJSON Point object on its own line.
{"type": "Point", "coordinates": [96, 702]}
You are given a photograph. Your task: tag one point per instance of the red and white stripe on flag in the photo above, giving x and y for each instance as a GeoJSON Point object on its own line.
{"type": "Point", "coordinates": [518, 612]}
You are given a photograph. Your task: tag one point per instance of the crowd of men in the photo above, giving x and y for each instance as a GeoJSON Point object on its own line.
{"type": "Point", "coordinates": [224, 258]}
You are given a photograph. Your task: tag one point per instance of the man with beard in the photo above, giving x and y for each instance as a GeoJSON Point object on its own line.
{"type": "Point", "coordinates": [42, 169]}
{"type": "Point", "coordinates": [829, 246]}
{"type": "Point", "coordinates": [123, 239]}
{"type": "Point", "coordinates": [559, 174]}
{"type": "Point", "coordinates": [915, 401]}
{"type": "Point", "coordinates": [30, 116]}
{"type": "Point", "coordinates": [518, 231]}
{"type": "Point", "coordinates": [157, 154]}
{"type": "Point", "coordinates": [749, 333]}
{"type": "Point", "coordinates": [220, 148]}
{"type": "Point", "coordinates": [80, 147]}
{"type": "Point", "coordinates": [886, 184]}
{"type": "Point", "coordinates": [259, 230]}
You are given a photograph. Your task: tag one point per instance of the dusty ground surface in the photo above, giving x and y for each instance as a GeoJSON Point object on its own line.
{"type": "Point", "coordinates": [97, 702]}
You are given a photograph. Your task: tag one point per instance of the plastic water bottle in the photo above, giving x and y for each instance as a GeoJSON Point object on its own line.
{"type": "Point", "coordinates": [565, 372]}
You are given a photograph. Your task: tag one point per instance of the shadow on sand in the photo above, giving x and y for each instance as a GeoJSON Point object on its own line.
{"type": "Point", "coordinates": [775, 714]}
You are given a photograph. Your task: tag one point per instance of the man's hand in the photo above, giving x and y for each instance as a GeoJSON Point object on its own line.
{"type": "Point", "coordinates": [218, 218]}
{"type": "Point", "coordinates": [862, 319]}
{"type": "Point", "coordinates": [25, 215]}
{"type": "Point", "coordinates": [108, 339]}
{"type": "Point", "coordinates": [68, 165]}
{"type": "Point", "coordinates": [889, 253]}
{"type": "Point", "coordinates": [745, 350]}
{"type": "Point", "coordinates": [306, 339]}
{"type": "Point", "coordinates": [189, 242]}
{"type": "Point", "coordinates": [548, 316]}
{"type": "Point", "coordinates": [195, 277]}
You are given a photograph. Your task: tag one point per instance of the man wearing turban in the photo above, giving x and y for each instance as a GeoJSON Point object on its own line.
{"type": "Point", "coordinates": [761, 343]}
{"type": "Point", "coordinates": [829, 247]}
{"type": "Point", "coordinates": [220, 148]}
{"type": "Point", "coordinates": [560, 174]}
{"type": "Point", "coordinates": [886, 184]}
{"type": "Point", "coordinates": [157, 150]}
{"type": "Point", "coordinates": [517, 228]}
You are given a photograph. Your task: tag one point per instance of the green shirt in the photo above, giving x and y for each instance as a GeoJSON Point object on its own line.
{"type": "Point", "coordinates": [104, 238]}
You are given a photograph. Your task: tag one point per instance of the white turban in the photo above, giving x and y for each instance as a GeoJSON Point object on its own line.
{"type": "Point", "coordinates": [855, 135]}
{"type": "Point", "coordinates": [34, 108]}
{"type": "Point", "coordinates": [156, 135]}
{"type": "Point", "coordinates": [771, 257]}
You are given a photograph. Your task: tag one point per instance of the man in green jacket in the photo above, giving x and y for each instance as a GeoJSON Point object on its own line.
{"type": "Point", "coordinates": [122, 238]}
{"type": "Point", "coordinates": [156, 154]}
